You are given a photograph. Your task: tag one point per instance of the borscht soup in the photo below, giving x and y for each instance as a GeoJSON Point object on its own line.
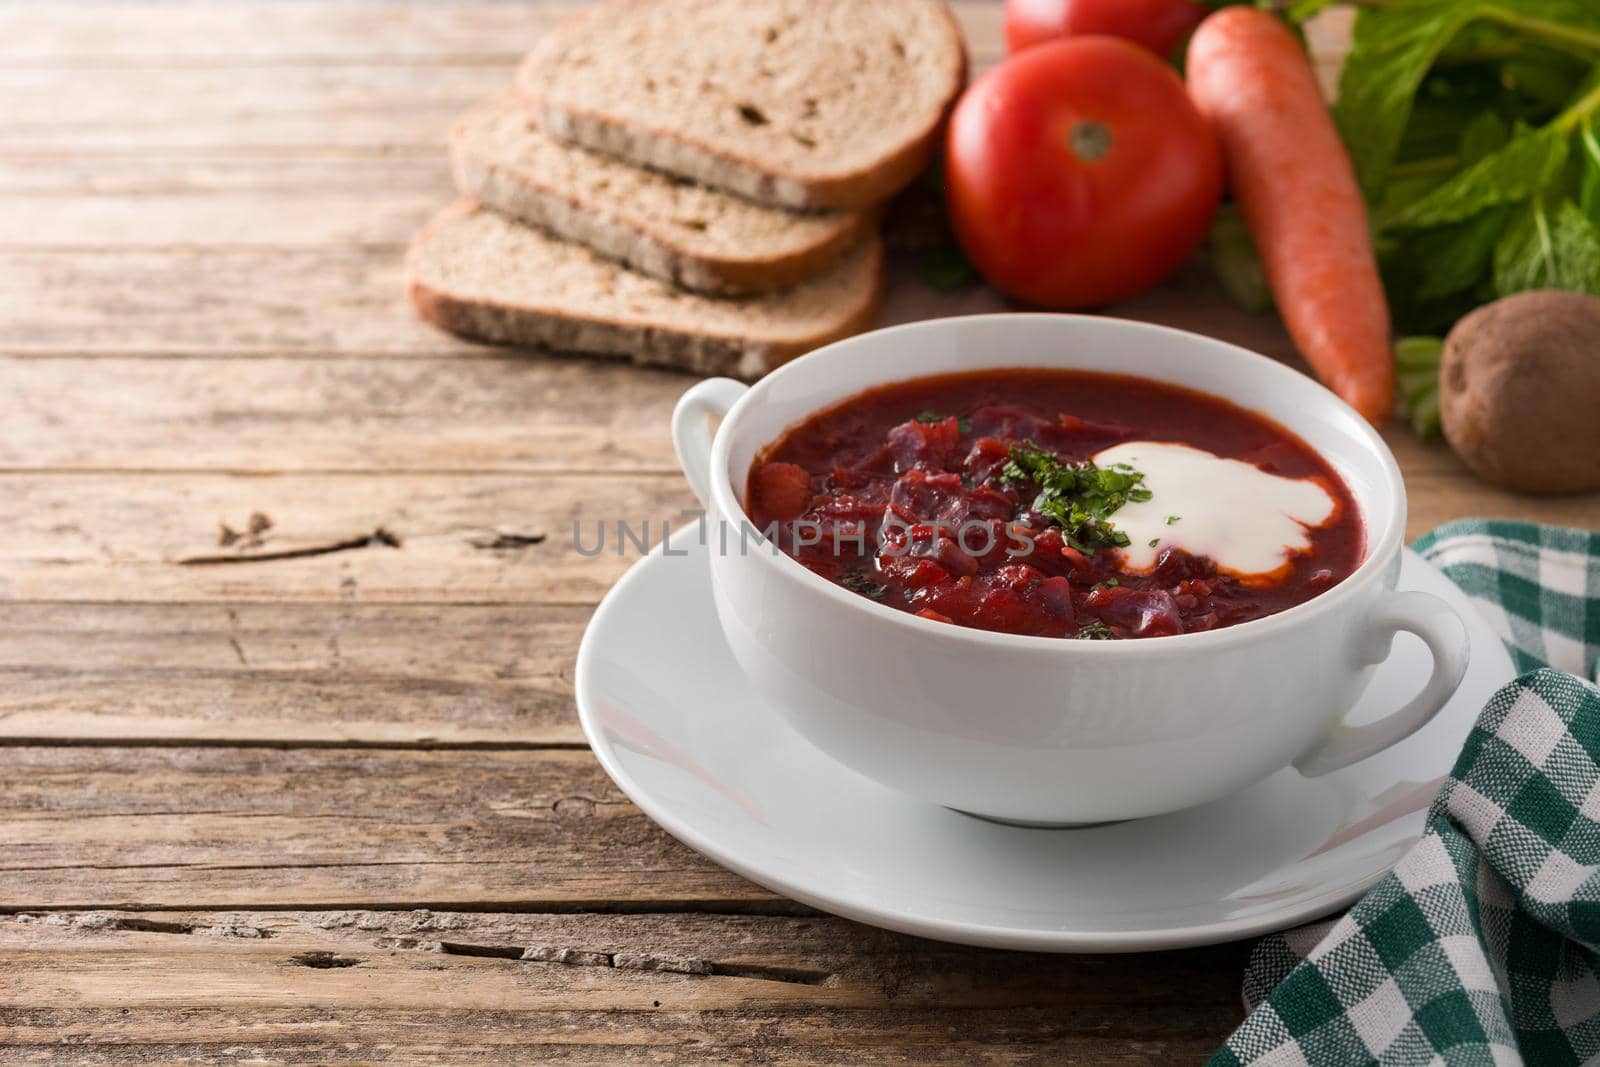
{"type": "Point", "coordinates": [1058, 504]}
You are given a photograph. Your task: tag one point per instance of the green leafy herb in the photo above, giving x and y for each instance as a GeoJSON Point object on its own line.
{"type": "Point", "coordinates": [1417, 362]}
{"type": "Point", "coordinates": [1078, 497]}
{"type": "Point", "coordinates": [1474, 126]}
{"type": "Point", "coordinates": [1549, 250]}
{"type": "Point", "coordinates": [1171, 519]}
{"type": "Point", "coordinates": [1096, 631]}
{"type": "Point", "coordinates": [1154, 541]}
{"type": "Point", "coordinates": [857, 582]}
{"type": "Point", "coordinates": [1509, 176]}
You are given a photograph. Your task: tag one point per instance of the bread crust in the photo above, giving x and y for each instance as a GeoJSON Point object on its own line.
{"type": "Point", "coordinates": [664, 345]}
{"type": "Point", "coordinates": [514, 191]}
{"type": "Point", "coordinates": [762, 181]}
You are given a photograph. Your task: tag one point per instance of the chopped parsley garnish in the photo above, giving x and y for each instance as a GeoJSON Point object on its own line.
{"type": "Point", "coordinates": [1154, 541]}
{"type": "Point", "coordinates": [1078, 497]}
{"type": "Point", "coordinates": [1096, 631]}
{"type": "Point", "coordinates": [857, 582]}
{"type": "Point", "coordinates": [1172, 519]}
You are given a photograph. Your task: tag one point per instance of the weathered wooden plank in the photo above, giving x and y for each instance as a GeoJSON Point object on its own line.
{"type": "Point", "coordinates": [284, 674]}
{"type": "Point", "coordinates": [241, 34]}
{"type": "Point", "coordinates": [237, 219]}
{"type": "Point", "coordinates": [417, 538]}
{"type": "Point", "coordinates": [807, 959]}
{"type": "Point", "coordinates": [604, 1039]}
{"type": "Point", "coordinates": [47, 33]}
{"type": "Point", "coordinates": [327, 827]}
{"type": "Point", "coordinates": [197, 176]}
{"type": "Point", "coordinates": [291, 986]}
{"type": "Point", "coordinates": [176, 110]}
{"type": "Point", "coordinates": [500, 412]}
{"type": "Point", "coordinates": [250, 301]}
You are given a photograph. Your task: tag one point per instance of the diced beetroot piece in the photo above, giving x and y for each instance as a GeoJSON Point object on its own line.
{"type": "Point", "coordinates": [782, 490]}
{"type": "Point", "coordinates": [1017, 576]}
{"type": "Point", "coordinates": [1144, 612]}
{"type": "Point", "coordinates": [986, 503]}
{"type": "Point", "coordinates": [926, 497]}
{"type": "Point", "coordinates": [1003, 610]}
{"type": "Point", "coordinates": [1079, 562]}
{"type": "Point", "coordinates": [922, 443]}
{"type": "Point", "coordinates": [847, 508]}
{"type": "Point", "coordinates": [1056, 595]}
{"type": "Point", "coordinates": [984, 461]}
{"type": "Point", "coordinates": [1047, 541]}
{"type": "Point", "coordinates": [1175, 565]}
{"type": "Point", "coordinates": [913, 573]}
{"type": "Point", "coordinates": [948, 554]}
{"type": "Point", "coordinates": [1102, 598]}
{"type": "Point", "coordinates": [929, 613]}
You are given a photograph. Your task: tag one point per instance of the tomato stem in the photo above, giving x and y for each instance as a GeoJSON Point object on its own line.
{"type": "Point", "coordinates": [1090, 140]}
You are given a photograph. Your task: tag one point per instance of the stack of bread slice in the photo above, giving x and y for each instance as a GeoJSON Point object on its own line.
{"type": "Point", "coordinates": [690, 183]}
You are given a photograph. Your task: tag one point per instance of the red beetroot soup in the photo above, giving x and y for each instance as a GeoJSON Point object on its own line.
{"type": "Point", "coordinates": [976, 499]}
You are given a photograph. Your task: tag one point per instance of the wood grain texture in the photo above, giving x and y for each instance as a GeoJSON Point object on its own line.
{"type": "Point", "coordinates": [180, 109]}
{"type": "Point", "coordinates": [363, 31]}
{"type": "Point", "coordinates": [286, 674]}
{"type": "Point", "coordinates": [204, 300]}
{"type": "Point", "coordinates": [243, 34]}
{"type": "Point", "coordinates": [473, 413]}
{"type": "Point", "coordinates": [105, 826]}
{"type": "Point", "coordinates": [415, 985]}
{"type": "Point", "coordinates": [107, 537]}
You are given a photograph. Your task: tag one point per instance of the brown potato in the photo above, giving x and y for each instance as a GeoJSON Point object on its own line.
{"type": "Point", "coordinates": [1519, 392]}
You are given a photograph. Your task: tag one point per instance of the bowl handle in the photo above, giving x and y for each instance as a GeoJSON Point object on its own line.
{"type": "Point", "coordinates": [691, 429]}
{"type": "Point", "coordinates": [1446, 637]}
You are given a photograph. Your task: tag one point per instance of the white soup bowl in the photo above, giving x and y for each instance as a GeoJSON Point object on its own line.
{"type": "Point", "coordinates": [1046, 730]}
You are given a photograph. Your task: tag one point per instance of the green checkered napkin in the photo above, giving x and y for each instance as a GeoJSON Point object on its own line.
{"type": "Point", "coordinates": [1482, 946]}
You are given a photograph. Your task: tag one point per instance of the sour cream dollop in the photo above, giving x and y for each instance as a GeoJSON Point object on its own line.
{"type": "Point", "coordinates": [1247, 521]}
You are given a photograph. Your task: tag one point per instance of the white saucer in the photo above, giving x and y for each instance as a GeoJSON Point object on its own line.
{"type": "Point", "coordinates": [673, 721]}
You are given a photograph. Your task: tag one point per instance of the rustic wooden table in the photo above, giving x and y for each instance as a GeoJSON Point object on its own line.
{"type": "Point", "coordinates": [316, 808]}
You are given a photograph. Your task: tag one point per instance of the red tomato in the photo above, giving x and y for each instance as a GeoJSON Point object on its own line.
{"type": "Point", "coordinates": [1079, 173]}
{"type": "Point", "coordinates": [1157, 24]}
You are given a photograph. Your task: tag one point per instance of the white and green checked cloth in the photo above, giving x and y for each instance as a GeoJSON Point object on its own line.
{"type": "Point", "coordinates": [1482, 946]}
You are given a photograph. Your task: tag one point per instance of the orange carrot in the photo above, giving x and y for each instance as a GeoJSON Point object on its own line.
{"type": "Point", "coordinates": [1294, 183]}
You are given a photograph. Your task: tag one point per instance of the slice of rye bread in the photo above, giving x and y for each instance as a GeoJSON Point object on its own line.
{"type": "Point", "coordinates": [689, 234]}
{"type": "Point", "coordinates": [480, 274]}
{"type": "Point", "coordinates": [801, 103]}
